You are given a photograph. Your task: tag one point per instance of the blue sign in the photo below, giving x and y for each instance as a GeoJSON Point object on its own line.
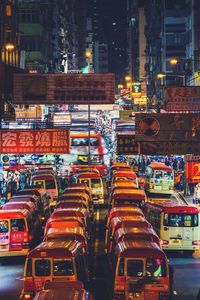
{"type": "Point", "coordinates": [34, 156]}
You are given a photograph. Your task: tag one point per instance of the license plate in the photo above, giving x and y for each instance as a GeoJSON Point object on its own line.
{"type": "Point", "coordinates": [3, 246]}
{"type": "Point", "coordinates": [176, 241]}
{"type": "Point", "coordinates": [133, 296]}
{"type": "Point", "coordinates": [158, 188]}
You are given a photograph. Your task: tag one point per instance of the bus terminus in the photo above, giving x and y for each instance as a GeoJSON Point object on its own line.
{"type": "Point", "coordinates": [159, 178]}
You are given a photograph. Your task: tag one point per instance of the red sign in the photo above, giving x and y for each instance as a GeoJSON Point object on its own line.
{"type": "Point", "coordinates": [96, 88]}
{"type": "Point", "coordinates": [51, 141]}
{"type": "Point", "coordinates": [182, 98]}
{"type": "Point", "coordinates": [193, 172]}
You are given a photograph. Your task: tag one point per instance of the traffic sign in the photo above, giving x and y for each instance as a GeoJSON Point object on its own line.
{"type": "Point", "coordinates": [5, 158]}
{"type": "Point", "coordinates": [34, 156]}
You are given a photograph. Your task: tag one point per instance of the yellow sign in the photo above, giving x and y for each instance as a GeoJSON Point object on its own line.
{"type": "Point", "coordinates": [142, 100]}
{"type": "Point", "coordinates": [126, 114]}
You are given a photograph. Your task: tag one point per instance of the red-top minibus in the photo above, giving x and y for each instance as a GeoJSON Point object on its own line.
{"type": "Point", "coordinates": [177, 225]}
{"type": "Point", "coordinates": [128, 197]}
{"type": "Point", "coordinates": [141, 272]}
{"type": "Point", "coordinates": [19, 230]}
{"type": "Point", "coordinates": [55, 260]}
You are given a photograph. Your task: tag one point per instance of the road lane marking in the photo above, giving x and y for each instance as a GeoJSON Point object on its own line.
{"type": "Point", "coordinates": [96, 244]}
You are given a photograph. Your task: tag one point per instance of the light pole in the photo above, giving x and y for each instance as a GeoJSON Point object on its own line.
{"type": "Point", "coordinates": [88, 55]}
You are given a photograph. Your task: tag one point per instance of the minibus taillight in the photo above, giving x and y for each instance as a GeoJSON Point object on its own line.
{"type": "Point", "coordinates": [119, 283]}
{"type": "Point", "coordinates": [164, 242]}
{"type": "Point", "coordinates": [119, 295]}
{"type": "Point", "coordinates": [30, 237]}
{"type": "Point", "coordinates": [196, 243]}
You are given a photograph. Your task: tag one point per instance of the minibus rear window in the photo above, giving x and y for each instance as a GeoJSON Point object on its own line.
{"type": "Point", "coordinates": [50, 184]}
{"type": "Point", "coordinates": [17, 225]}
{"type": "Point", "coordinates": [42, 267]}
{"type": "Point", "coordinates": [4, 226]}
{"type": "Point", "coordinates": [62, 267]}
{"type": "Point", "coordinates": [181, 220]}
{"type": "Point", "coordinates": [135, 268]}
{"type": "Point", "coordinates": [156, 267]}
{"type": "Point", "coordinates": [95, 182]}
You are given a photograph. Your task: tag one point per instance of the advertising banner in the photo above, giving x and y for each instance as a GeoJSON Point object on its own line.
{"type": "Point", "coordinates": [168, 127]}
{"type": "Point", "coordinates": [95, 88]}
{"type": "Point", "coordinates": [184, 98]}
{"type": "Point", "coordinates": [193, 172]}
{"type": "Point", "coordinates": [55, 141]}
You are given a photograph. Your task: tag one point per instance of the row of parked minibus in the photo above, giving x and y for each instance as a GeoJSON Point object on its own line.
{"type": "Point", "coordinates": [140, 267]}
{"type": "Point", "coordinates": [58, 266]}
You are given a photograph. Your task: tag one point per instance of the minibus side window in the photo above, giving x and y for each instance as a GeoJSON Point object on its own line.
{"type": "Point", "coordinates": [156, 267]}
{"type": "Point", "coordinates": [135, 268]}
{"type": "Point", "coordinates": [62, 267]}
{"type": "Point", "coordinates": [42, 267]}
{"type": "Point", "coordinates": [121, 267]}
{"type": "Point", "coordinates": [29, 268]}
{"type": "Point", "coordinates": [3, 226]}
{"type": "Point", "coordinates": [17, 225]}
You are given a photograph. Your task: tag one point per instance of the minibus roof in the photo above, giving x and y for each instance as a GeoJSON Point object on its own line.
{"type": "Point", "coordinates": [129, 174]}
{"type": "Point", "coordinates": [66, 204]}
{"type": "Point", "coordinates": [28, 191]}
{"type": "Point", "coordinates": [160, 166]}
{"type": "Point", "coordinates": [88, 175]}
{"type": "Point", "coordinates": [65, 220]}
{"type": "Point", "coordinates": [19, 205]}
{"type": "Point", "coordinates": [22, 198]}
{"type": "Point", "coordinates": [125, 183]}
{"type": "Point", "coordinates": [129, 194]}
{"type": "Point", "coordinates": [132, 249]}
{"type": "Point", "coordinates": [65, 231]}
{"type": "Point", "coordinates": [71, 211]}
{"type": "Point", "coordinates": [129, 221]}
{"type": "Point", "coordinates": [80, 195]}
{"type": "Point", "coordinates": [14, 214]}
{"type": "Point", "coordinates": [119, 165]}
{"type": "Point", "coordinates": [172, 207]}
{"type": "Point", "coordinates": [43, 177]}
{"type": "Point", "coordinates": [55, 248]}
{"type": "Point", "coordinates": [135, 232]}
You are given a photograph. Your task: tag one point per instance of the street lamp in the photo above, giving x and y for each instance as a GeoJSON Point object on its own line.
{"type": "Point", "coordinates": [88, 55]}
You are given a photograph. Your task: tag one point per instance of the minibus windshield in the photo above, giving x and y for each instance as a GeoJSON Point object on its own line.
{"type": "Point", "coordinates": [181, 220]}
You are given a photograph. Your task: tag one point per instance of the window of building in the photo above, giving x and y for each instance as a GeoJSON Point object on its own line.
{"type": "Point", "coordinates": [32, 43]}
{"type": "Point", "coordinates": [28, 16]}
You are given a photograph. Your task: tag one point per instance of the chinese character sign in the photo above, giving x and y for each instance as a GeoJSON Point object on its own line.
{"type": "Point", "coordinates": [55, 141]}
{"type": "Point", "coordinates": [96, 88]}
{"type": "Point", "coordinates": [193, 171]}
{"type": "Point", "coordinates": [182, 98]}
